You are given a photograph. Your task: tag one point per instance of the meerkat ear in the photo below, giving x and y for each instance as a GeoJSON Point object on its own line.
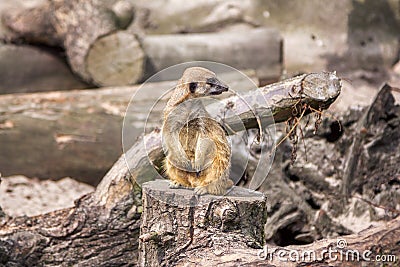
{"type": "Point", "coordinates": [192, 87]}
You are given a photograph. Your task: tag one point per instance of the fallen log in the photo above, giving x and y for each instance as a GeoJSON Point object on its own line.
{"type": "Point", "coordinates": [102, 54]}
{"type": "Point", "coordinates": [90, 32]}
{"type": "Point", "coordinates": [59, 134]}
{"type": "Point", "coordinates": [379, 244]}
{"type": "Point", "coordinates": [233, 48]}
{"type": "Point", "coordinates": [103, 227]}
{"type": "Point", "coordinates": [28, 69]}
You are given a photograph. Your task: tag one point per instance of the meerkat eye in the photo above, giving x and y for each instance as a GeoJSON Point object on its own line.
{"type": "Point", "coordinates": [192, 87]}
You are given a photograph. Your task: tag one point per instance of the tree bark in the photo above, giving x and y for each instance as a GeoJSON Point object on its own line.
{"type": "Point", "coordinates": [382, 240]}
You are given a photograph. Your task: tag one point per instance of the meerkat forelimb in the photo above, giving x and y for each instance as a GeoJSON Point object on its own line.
{"type": "Point", "coordinates": [204, 154]}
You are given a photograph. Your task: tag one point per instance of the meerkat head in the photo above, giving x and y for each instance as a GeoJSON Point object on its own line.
{"type": "Point", "coordinates": [195, 82]}
{"type": "Point", "coordinates": [200, 82]}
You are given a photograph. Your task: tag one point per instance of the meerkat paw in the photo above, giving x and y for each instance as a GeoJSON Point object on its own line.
{"type": "Point", "coordinates": [175, 185]}
{"type": "Point", "coordinates": [218, 187]}
{"type": "Point", "coordinates": [200, 190]}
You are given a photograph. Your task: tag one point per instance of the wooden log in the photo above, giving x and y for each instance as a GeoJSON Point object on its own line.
{"type": "Point", "coordinates": [100, 53]}
{"type": "Point", "coordinates": [234, 48]}
{"type": "Point", "coordinates": [88, 234]}
{"type": "Point", "coordinates": [233, 221]}
{"type": "Point", "coordinates": [379, 244]}
{"type": "Point", "coordinates": [97, 30]}
{"type": "Point", "coordinates": [59, 134]}
{"type": "Point", "coordinates": [30, 69]}
{"type": "Point", "coordinates": [90, 32]}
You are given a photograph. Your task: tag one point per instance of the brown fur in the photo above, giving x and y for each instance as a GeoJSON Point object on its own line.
{"type": "Point", "coordinates": [205, 151]}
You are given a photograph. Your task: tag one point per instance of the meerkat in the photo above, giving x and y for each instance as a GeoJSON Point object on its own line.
{"type": "Point", "coordinates": [197, 150]}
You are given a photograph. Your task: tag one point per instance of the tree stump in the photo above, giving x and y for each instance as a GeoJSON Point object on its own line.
{"type": "Point", "coordinates": [176, 221]}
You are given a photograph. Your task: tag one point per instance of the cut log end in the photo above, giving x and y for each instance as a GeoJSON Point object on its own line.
{"type": "Point", "coordinates": [160, 190]}
{"type": "Point", "coordinates": [115, 59]}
